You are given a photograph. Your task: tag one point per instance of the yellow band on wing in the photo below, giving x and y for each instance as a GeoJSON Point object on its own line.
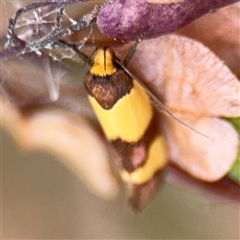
{"type": "Point", "coordinates": [157, 159]}
{"type": "Point", "coordinates": [129, 118]}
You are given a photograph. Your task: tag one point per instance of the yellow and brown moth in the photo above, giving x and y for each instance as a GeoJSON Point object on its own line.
{"type": "Point", "coordinates": [129, 121]}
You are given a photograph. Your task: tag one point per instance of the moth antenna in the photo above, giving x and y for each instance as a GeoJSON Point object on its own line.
{"type": "Point", "coordinates": [158, 102]}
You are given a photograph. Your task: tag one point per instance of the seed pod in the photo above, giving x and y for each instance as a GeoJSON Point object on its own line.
{"type": "Point", "coordinates": [128, 19]}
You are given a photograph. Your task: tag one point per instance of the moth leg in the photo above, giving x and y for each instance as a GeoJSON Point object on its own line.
{"type": "Point", "coordinates": [132, 50]}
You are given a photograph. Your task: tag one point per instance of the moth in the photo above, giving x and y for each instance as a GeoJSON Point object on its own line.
{"type": "Point", "coordinates": [133, 128]}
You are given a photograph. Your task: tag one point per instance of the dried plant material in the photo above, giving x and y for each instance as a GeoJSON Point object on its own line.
{"type": "Point", "coordinates": [70, 138]}
{"type": "Point", "coordinates": [219, 30]}
{"type": "Point", "coordinates": [35, 24]}
{"type": "Point", "coordinates": [198, 88]}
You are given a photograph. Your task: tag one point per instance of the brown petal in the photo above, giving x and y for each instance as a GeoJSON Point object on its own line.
{"type": "Point", "coordinates": [206, 159]}
{"type": "Point", "coordinates": [71, 138]}
{"type": "Point", "coordinates": [219, 30]}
